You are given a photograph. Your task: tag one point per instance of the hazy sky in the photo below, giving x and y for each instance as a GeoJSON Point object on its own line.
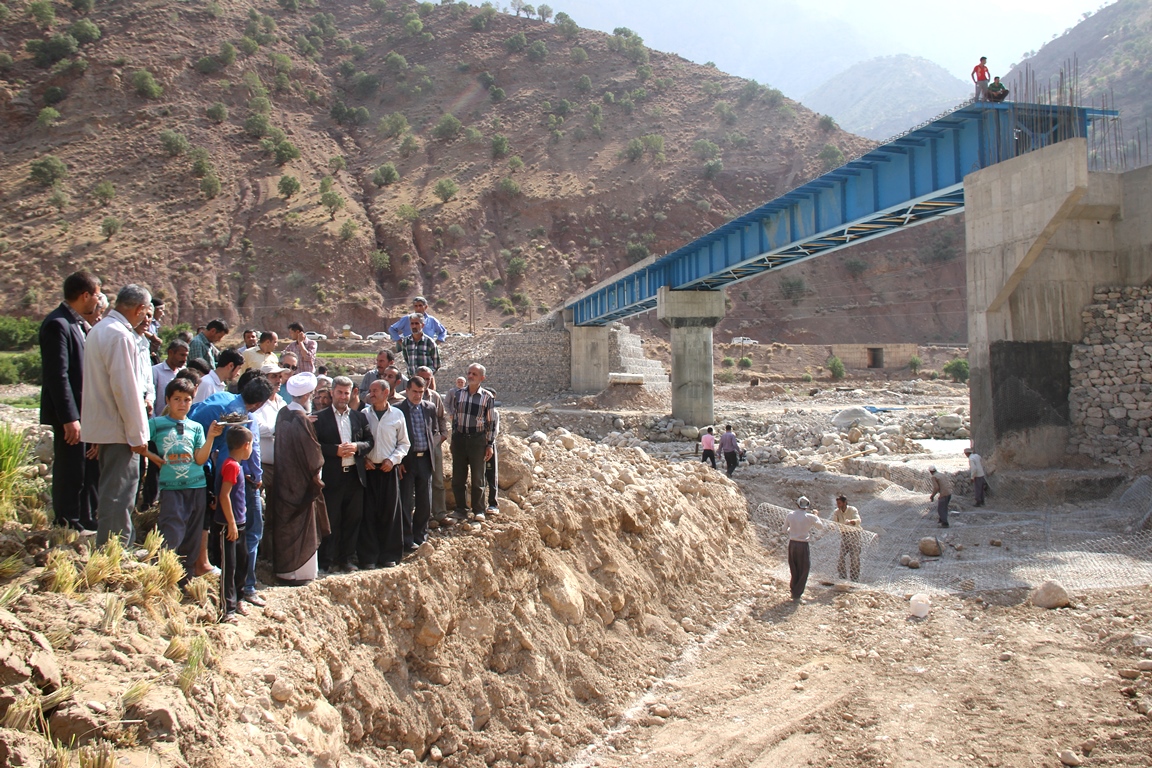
{"type": "Point", "coordinates": [795, 46]}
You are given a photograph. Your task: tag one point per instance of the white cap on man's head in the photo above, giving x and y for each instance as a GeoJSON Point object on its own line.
{"type": "Point", "coordinates": [803, 502]}
{"type": "Point", "coordinates": [270, 368]}
{"type": "Point", "coordinates": [301, 384]}
{"type": "Point", "coordinates": [932, 468]}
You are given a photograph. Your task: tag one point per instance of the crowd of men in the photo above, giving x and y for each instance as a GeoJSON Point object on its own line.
{"type": "Point", "coordinates": [252, 451]}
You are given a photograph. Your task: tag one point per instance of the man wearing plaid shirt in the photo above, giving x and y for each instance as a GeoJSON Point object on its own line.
{"type": "Point", "coordinates": [419, 349]}
{"type": "Point", "coordinates": [473, 439]}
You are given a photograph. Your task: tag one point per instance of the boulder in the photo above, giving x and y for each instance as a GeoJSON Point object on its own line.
{"type": "Point", "coordinates": [1050, 594]}
{"type": "Point", "coordinates": [856, 416]}
{"type": "Point", "coordinates": [561, 590]}
{"type": "Point", "coordinates": [930, 546]}
{"type": "Point", "coordinates": [854, 435]}
{"type": "Point", "coordinates": [949, 422]}
{"type": "Point", "coordinates": [516, 461]}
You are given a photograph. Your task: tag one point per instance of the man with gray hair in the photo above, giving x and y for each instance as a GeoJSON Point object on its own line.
{"type": "Point", "coordinates": [439, 505]}
{"type": "Point", "coordinates": [473, 440]}
{"type": "Point", "coordinates": [113, 408]}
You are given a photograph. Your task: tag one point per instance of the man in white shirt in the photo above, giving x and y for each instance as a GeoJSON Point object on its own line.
{"type": "Point", "coordinates": [382, 539]}
{"type": "Point", "coordinates": [800, 522]}
{"type": "Point", "coordinates": [166, 370]}
{"type": "Point", "coordinates": [976, 469]}
{"type": "Point", "coordinates": [113, 407]}
{"type": "Point", "coordinates": [228, 363]}
{"type": "Point", "coordinates": [850, 538]}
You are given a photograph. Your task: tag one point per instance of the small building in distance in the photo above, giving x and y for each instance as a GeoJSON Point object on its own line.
{"type": "Point", "coordinates": [875, 355]}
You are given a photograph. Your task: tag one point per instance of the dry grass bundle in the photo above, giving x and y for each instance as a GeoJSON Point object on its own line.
{"type": "Point", "coordinates": [135, 693]}
{"type": "Point", "coordinates": [13, 457]}
{"type": "Point", "coordinates": [60, 637]}
{"type": "Point", "coordinates": [59, 536]}
{"type": "Point", "coordinates": [203, 590]}
{"type": "Point", "coordinates": [178, 649]}
{"type": "Point", "coordinates": [99, 755]}
{"type": "Point", "coordinates": [57, 697]}
{"type": "Point", "coordinates": [60, 574]}
{"type": "Point", "coordinates": [113, 614]}
{"type": "Point", "coordinates": [171, 567]}
{"type": "Point", "coordinates": [152, 591]}
{"type": "Point", "coordinates": [61, 757]}
{"type": "Point", "coordinates": [199, 656]}
{"type": "Point", "coordinates": [12, 566]}
{"type": "Point", "coordinates": [99, 569]}
{"type": "Point", "coordinates": [36, 518]}
{"type": "Point", "coordinates": [13, 593]}
{"type": "Point", "coordinates": [153, 542]}
{"type": "Point", "coordinates": [176, 626]}
{"type": "Point", "coordinates": [24, 714]}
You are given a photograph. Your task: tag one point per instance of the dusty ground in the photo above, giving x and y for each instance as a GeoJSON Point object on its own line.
{"type": "Point", "coordinates": [628, 612]}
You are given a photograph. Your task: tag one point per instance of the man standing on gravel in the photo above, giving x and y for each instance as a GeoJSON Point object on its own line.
{"type": "Point", "coordinates": [113, 408]}
{"type": "Point", "coordinates": [730, 448]}
{"type": "Point", "coordinates": [942, 486]}
{"type": "Point", "coordinates": [303, 348]}
{"type": "Point", "coordinates": [62, 352]}
{"type": "Point", "coordinates": [473, 440]}
{"type": "Point", "coordinates": [976, 469]}
{"type": "Point", "coordinates": [433, 327]}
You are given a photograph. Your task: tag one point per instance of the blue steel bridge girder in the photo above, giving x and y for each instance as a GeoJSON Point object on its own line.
{"type": "Point", "coordinates": [913, 179]}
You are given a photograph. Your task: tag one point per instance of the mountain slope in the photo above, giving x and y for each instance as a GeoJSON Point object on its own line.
{"type": "Point", "coordinates": [575, 154]}
{"type": "Point", "coordinates": [885, 96]}
{"type": "Point", "coordinates": [1112, 51]}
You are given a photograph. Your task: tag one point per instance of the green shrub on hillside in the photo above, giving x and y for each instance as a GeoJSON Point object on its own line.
{"type": "Point", "coordinates": [538, 51]}
{"type": "Point", "coordinates": [446, 189]}
{"type": "Point", "coordinates": [915, 363]}
{"type": "Point", "coordinates": [410, 146]}
{"type": "Point", "coordinates": [42, 13]}
{"type": "Point", "coordinates": [146, 85]}
{"type": "Point", "coordinates": [724, 110]}
{"type": "Point", "coordinates": [348, 230]}
{"type": "Point", "coordinates": [508, 186]}
{"type": "Point", "coordinates": [210, 186]}
{"type": "Point", "coordinates": [247, 45]}
{"type": "Point", "coordinates": [713, 168]}
{"type": "Point", "coordinates": [104, 192]}
{"type": "Point", "coordinates": [386, 174]}
{"type": "Point", "coordinates": [174, 143]}
{"type": "Point", "coordinates": [17, 333]}
{"type": "Point", "coordinates": [332, 202]}
{"type": "Point", "coordinates": [257, 125]}
{"type": "Point", "coordinates": [496, 94]}
{"type": "Point", "coordinates": [59, 199]}
{"type": "Point", "coordinates": [5, 58]}
{"type": "Point", "coordinates": [110, 226]}
{"type": "Point", "coordinates": [515, 163]}
{"type": "Point", "coordinates": [481, 21]}
{"type": "Point", "coordinates": [83, 6]}
{"type": "Point", "coordinates": [792, 288]}
{"type": "Point", "coordinates": [578, 55]}
{"type": "Point", "coordinates": [567, 26]}
{"type": "Point", "coordinates": [84, 31]}
{"type": "Point", "coordinates": [584, 84]}
{"type": "Point", "coordinates": [393, 125]}
{"type": "Point", "coordinates": [47, 117]}
{"type": "Point", "coordinates": [218, 112]}
{"type": "Point", "coordinates": [835, 367]}
{"type": "Point", "coordinates": [45, 53]}
{"type": "Point", "coordinates": [705, 150]}
{"type": "Point", "coordinates": [634, 150]}
{"type": "Point", "coordinates": [288, 186]}
{"type": "Point", "coordinates": [500, 146]}
{"type": "Point", "coordinates": [201, 163]}
{"type": "Point", "coordinates": [831, 157]}
{"type": "Point", "coordinates": [47, 170]}
{"type": "Point", "coordinates": [447, 128]}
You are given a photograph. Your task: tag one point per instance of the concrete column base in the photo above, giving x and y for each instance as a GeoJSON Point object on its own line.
{"type": "Point", "coordinates": [589, 358]}
{"type": "Point", "coordinates": [691, 316]}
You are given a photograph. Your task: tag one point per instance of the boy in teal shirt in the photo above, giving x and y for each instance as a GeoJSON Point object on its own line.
{"type": "Point", "coordinates": [183, 450]}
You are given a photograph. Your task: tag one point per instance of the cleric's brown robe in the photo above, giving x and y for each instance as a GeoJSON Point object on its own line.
{"type": "Point", "coordinates": [299, 520]}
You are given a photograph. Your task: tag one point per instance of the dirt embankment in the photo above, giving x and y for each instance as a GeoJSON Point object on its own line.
{"type": "Point", "coordinates": [508, 644]}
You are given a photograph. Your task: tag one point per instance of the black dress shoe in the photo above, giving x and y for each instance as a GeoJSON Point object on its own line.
{"type": "Point", "coordinates": [411, 547]}
{"type": "Point", "coordinates": [368, 567]}
{"type": "Point", "coordinates": [389, 564]}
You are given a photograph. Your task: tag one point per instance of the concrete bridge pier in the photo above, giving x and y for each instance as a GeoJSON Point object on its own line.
{"type": "Point", "coordinates": [691, 316]}
{"type": "Point", "coordinates": [590, 359]}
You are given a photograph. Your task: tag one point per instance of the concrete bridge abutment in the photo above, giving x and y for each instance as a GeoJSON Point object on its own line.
{"type": "Point", "coordinates": [1043, 234]}
{"type": "Point", "coordinates": [690, 317]}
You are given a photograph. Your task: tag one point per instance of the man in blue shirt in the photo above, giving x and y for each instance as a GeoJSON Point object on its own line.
{"type": "Point", "coordinates": [402, 328]}
{"type": "Point", "coordinates": [255, 389]}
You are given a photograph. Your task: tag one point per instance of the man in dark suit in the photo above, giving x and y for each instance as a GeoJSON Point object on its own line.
{"type": "Point", "coordinates": [416, 468]}
{"type": "Point", "coordinates": [345, 440]}
{"type": "Point", "coordinates": [62, 353]}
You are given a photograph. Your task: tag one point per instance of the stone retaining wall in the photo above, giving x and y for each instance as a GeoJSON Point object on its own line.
{"type": "Point", "coordinates": [1110, 403]}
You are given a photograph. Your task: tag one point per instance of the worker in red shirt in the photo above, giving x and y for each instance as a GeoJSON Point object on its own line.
{"type": "Point", "coordinates": [980, 76]}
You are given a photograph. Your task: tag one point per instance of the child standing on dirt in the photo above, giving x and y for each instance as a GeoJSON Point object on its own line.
{"type": "Point", "coordinates": [183, 489]}
{"type": "Point", "coordinates": [228, 524]}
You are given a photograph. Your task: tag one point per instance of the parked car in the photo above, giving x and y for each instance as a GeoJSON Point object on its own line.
{"type": "Point", "coordinates": [461, 335]}
{"type": "Point", "coordinates": [745, 340]}
{"type": "Point", "coordinates": [315, 336]}
{"type": "Point", "coordinates": [378, 336]}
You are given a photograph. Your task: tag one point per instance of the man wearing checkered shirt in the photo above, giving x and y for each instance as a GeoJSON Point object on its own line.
{"type": "Point", "coordinates": [473, 439]}
{"type": "Point", "coordinates": [419, 349]}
